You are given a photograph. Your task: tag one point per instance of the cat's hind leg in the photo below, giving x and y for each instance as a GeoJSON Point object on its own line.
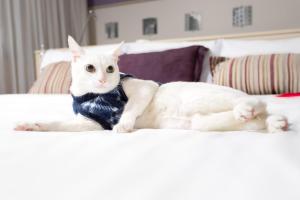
{"type": "Point", "coordinates": [226, 121]}
{"type": "Point", "coordinates": [221, 121]}
{"type": "Point", "coordinates": [248, 114]}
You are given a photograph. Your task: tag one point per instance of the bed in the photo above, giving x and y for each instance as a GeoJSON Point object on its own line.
{"type": "Point", "coordinates": [145, 164]}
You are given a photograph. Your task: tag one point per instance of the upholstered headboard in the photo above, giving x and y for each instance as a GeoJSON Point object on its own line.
{"type": "Point", "coordinates": [268, 35]}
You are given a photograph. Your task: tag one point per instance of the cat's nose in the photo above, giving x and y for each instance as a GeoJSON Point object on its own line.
{"type": "Point", "coordinates": [102, 81]}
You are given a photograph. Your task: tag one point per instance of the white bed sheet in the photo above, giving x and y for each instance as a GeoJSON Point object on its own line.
{"type": "Point", "coordinates": [146, 164]}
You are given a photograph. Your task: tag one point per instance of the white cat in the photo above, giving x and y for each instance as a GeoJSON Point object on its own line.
{"type": "Point", "coordinates": [177, 105]}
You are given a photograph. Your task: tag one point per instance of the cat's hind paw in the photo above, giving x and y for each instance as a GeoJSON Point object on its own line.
{"type": "Point", "coordinates": [28, 127]}
{"type": "Point", "coordinates": [244, 112]}
{"type": "Point", "coordinates": [249, 109]}
{"type": "Point", "coordinates": [277, 124]}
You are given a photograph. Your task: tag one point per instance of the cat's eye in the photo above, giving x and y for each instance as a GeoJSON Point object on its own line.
{"type": "Point", "coordinates": [110, 69]}
{"type": "Point", "coordinates": [90, 68]}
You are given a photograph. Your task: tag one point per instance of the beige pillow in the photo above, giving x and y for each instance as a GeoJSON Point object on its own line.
{"type": "Point", "coordinates": [214, 61]}
{"type": "Point", "coordinates": [262, 74]}
{"type": "Point", "coordinates": [55, 79]}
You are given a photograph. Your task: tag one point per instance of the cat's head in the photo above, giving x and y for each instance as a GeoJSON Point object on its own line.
{"type": "Point", "coordinates": [93, 73]}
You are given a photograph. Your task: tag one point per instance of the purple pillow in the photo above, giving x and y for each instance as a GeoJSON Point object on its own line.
{"type": "Point", "coordinates": [183, 64]}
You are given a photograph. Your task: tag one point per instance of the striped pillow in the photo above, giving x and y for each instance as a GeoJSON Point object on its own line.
{"type": "Point", "coordinates": [55, 79]}
{"type": "Point", "coordinates": [214, 61]}
{"type": "Point", "coordinates": [263, 74]}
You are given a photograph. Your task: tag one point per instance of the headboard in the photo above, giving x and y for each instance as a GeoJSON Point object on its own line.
{"type": "Point", "coordinates": [267, 35]}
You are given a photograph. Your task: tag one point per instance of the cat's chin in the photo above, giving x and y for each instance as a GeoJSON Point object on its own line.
{"type": "Point", "coordinates": [101, 86]}
{"type": "Point", "coordinates": [102, 89]}
{"type": "Point", "coordinates": [97, 90]}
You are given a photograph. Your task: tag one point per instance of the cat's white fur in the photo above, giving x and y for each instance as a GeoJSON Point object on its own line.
{"type": "Point", "coordinates": [177, 105]}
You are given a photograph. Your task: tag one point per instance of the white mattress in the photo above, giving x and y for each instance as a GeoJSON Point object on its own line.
{"type": "Point", "coordinates": [146, 164]}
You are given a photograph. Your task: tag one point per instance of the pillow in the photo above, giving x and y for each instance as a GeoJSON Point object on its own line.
{"type": "Point", "coordinates": [57, 55]}
{"type": "Point", "coordinates": [214, 61]}
{"type": "Point", "coordinates": [262, 74]}
{"type": "Point", "coordinates": [55, 78]}
{"type": "Point", "coordinates": [153, 46]}
{"type": "Point", "coordinates": [183, 64]}
{"type": "Point", "coordinates": [238, 48]}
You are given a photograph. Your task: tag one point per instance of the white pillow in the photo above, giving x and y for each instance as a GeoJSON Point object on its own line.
{"type": "Point", "coordinates": [238, 48]}
{"type": "Point", "coordinates": [145, 46]}
{"type": "Point", "coordinates": [57, 55]}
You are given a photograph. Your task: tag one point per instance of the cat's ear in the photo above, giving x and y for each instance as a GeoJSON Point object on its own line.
{"type": "Point", "coordinates": [118, 50]}
{"type": "Point", "coordinates": [76, 50]}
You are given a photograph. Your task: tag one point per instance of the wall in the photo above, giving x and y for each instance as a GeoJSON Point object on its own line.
{"type": "Point", "coordinates": [216, 15]}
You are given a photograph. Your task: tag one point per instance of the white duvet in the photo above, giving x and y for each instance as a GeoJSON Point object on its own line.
{"type": "Point", "coordinates": [146, 164]}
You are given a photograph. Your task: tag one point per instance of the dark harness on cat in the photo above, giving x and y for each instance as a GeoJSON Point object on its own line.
{"type": "Point", "coordinates": [106, 109]}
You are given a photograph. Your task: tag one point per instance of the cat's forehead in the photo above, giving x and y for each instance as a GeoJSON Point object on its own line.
{"type": "Point", "coordinates": [99, 59]}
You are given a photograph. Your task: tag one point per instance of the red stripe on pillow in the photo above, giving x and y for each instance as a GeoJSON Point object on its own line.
{"type": "Point", "coordinates": [230, 73]}
{"type": "Point", "coordinates": [272, 73]}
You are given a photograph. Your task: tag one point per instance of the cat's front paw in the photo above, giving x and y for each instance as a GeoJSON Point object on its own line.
{"type": "Point", "coordinates": [124, 126]}
{"type": "Point", "coordinates": [28, 127]}
{"type": "Point", "coordinates": [277, 124]}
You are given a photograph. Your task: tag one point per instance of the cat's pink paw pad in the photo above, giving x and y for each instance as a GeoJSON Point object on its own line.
{"type": "Point", "coordinates": [28, 127]}
{"type": "Point", "coordinates": [277, 124]}
{"type": "Point", "coordinates": [248, 108]}
{"type": "Point", "coordinates": [244, 112]}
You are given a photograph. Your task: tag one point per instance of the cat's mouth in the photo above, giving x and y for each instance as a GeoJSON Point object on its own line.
{"type": "Point", "coordinates": [102, 85]}
{"type": "Point", "coordinates": [98, 84]}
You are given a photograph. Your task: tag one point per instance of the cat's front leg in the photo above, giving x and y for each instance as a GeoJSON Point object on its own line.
{"type": "Point", "coordinates": [140, 94]}
{"type": "Point", "coordinates": [126, 123]}
{"type": "Point", "coordinates": [28, 127]}
{"type": "Point", "coordinates": [77, 124]}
